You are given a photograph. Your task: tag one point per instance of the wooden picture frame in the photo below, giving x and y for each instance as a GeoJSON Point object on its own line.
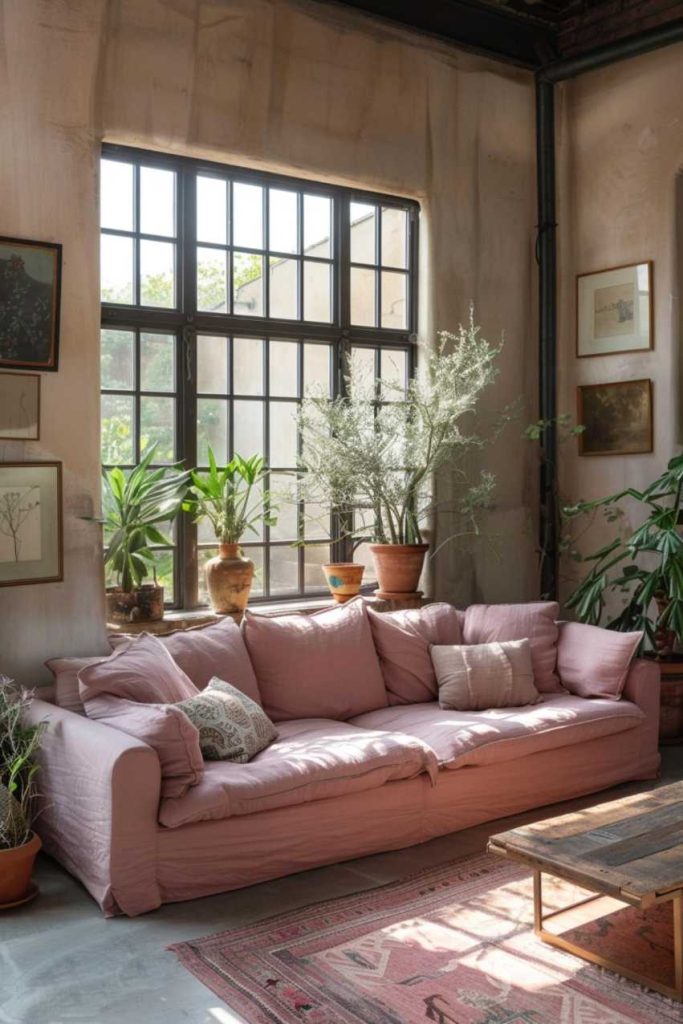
{"type": "Point", "coordinates": [19, 406]}
{"type": "Point", "coordinates": [31, 536]}
{"type": "Point", "coordinates": [617, 417]}
{"type": "Point", "coordinates": [30, 292]}
{"type": "Point", "coordinates": [614, 310]}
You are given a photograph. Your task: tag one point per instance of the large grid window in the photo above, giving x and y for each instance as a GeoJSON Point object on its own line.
{"type": "Point", "coordinates": [226, 294]}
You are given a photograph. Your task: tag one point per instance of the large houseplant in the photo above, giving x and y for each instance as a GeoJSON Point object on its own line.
{"type": "Point", "coordinates": [374, 462]}
{"type": "Point", "coordinates": [19, 845]}
{"type": "Point", "coordinates": [234, 500]}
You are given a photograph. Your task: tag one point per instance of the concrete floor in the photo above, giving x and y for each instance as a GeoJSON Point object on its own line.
{"type": "Point", "coordinates": [62, 963]}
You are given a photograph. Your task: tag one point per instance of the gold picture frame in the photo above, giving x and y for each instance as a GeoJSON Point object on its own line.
{"type": "Point", "coordinates": [617, 418]}
{"type": "Point", "coordinates": [614, 310]}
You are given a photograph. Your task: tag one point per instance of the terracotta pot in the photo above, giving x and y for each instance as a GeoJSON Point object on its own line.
{"type": "Point", "coordinates": [146, 604]}
{"type": "Point", "coordinates": [16, 867]}
{"type": "Point", "coordinates": [665, 639]}
{"type": "Point", "coordinates": [398, 566]}
{"type": "Point", "coordinates": [228, 579]}
{"type": "Point", "coordinates": [343, 579]}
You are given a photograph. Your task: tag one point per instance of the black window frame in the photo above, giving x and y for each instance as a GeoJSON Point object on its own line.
{"type": "Point", "coordinates": [185, 322]}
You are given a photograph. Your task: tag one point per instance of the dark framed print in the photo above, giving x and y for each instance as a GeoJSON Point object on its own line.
{"type": "Point", "coordinates": [614, 311]}
{"type": "Point", "coordinates": [19, 406]}
{"type": "Point", "coordinates": [30, 287]}
{"type": "Point", "coordinates": [616, 417]}
{"type": "Point", "coordinates": [31, 546]}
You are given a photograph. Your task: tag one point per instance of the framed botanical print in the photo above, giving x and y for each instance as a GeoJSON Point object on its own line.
{"type": "Point", "coordinates": [614, 311]}
{"type": "Point", "coordinates": [31, 548]}
{"type": "Point", "coordinates": [30, 285]}
{"type": "Point", "coordinates": [19, 407]}
{"type": "Point", "coordinates": [617, 418]}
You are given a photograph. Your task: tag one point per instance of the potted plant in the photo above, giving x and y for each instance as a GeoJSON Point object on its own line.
{"type": "Point", "coordinates": [19, 845]}
{"type": "Point", "coordinates": [234, 500]}
{"type": "Point", "coordinates": [375, 461]}
{"type": "Point", "coordinates": [135, 506]}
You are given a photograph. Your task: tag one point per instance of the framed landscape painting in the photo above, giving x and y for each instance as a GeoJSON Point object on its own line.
{"type": "Point", "coordinates": [617, 418]}
{"type": "Point", "coordinates": [30, 284]}
{"type": "Point", "coordinates": [19, 407]}
{"type": "Point", "coordinates": [614, 311]}
{"type": "Point", "coordinates": [30, 523]}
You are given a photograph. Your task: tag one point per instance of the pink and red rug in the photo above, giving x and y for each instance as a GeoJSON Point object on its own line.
{"type": "Point", "coordinates": [454, 945]}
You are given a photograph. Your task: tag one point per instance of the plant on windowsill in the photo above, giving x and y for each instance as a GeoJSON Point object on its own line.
{"type": "Point", "coordinates": [234, 501]}
{"type": "Point", "coordinates": [375, 461]}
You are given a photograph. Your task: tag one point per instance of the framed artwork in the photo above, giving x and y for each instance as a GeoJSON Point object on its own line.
{"type": "Point", "coordinates": [19, 406]}
{"type": "Point", "coordinates": [30, 284]}
{"type": "Point", "coordinates": [31, 549]}
{"type": "Point", "coordinates": [614, 311]}
{"type": "Point", "coordinates": [617, 418]}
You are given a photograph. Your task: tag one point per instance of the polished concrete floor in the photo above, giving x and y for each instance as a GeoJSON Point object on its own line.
{"type": "Point", "coordinates": [62, 963]}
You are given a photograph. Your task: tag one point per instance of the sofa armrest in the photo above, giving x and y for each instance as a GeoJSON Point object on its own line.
{"type": "Point", "coordinates": [100, 792]}
{"type": "Point", "coordinates": [642, 687]}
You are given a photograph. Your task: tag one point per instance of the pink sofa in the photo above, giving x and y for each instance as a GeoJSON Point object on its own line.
{"type": "Point", "coordinates": [328, 789]}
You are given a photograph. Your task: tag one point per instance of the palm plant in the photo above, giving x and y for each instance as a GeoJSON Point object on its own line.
{"type": "Point", "coordinates": [232, 498]}
{"type": "Point", "coordinates": [19, 744]}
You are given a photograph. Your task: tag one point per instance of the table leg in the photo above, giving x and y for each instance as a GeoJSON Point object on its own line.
{"type": "Point", "coordinates": [538, 902]}
{"type": "Point", "coordinates": [677, 907]}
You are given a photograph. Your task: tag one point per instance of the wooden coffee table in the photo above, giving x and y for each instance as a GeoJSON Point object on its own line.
{"type": "Point", "coordinates": [627, 851]}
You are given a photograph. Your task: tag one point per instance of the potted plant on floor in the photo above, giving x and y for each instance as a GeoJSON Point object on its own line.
{"type": "Point", "coordinates": [19, 845]}
{"type": "Point", "coordinates": [234, 500]}
{"type": "Point", "coordinates": [375, 462]}
{"type": "Point", "coordinates": [135, 507]}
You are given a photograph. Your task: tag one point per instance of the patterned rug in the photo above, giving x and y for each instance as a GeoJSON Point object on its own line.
{"type": "Point", "coordinates": [453, 945]}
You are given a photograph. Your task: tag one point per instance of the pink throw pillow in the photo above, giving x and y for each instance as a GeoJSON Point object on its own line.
{"type": "Point", "coordinates": [65, 671]}
{"type": "Point", "coordinates": [594, 662]}
{"type": "Point", "coordinates": [535, 622]}
{"type": "Point", "coordinates": [141, 670]}
{"type": "Point", "coordinates": [403, 639]}
{"type": "Point", "coordinates": [316, 666]}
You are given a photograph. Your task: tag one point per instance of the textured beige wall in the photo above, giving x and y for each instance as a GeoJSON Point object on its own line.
{"type": "Point", "coordinates": [282, 84]}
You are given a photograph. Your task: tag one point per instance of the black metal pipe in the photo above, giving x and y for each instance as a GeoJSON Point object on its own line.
{"type": "Point", "coordinates": [622, 49]}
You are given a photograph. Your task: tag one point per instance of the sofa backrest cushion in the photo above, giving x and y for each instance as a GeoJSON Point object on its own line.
{"type": "Point", "coordinates": [65, 671]}
{"type": "Point", "coordinates": [594, 662]}
{"type": "Point", "coordinates": [316, 666]}
{"type": "Point", "coordinates": [483, 676]}
{"type": "Point", "coordinates": [402, 640]}
{"type": "Point", "coordinates": [141, 670]}
{"type": "Point", "coordinates": [535, 622]}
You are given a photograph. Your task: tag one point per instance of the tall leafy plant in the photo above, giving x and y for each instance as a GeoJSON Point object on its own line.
{"type": "Point", "coordinates": [19, 745]}
{"type": "Point", "coordinates": [233, 498]}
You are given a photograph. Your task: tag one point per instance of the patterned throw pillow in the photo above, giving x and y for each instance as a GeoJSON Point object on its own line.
{"type": "Point", "coordinates": [232, 727]}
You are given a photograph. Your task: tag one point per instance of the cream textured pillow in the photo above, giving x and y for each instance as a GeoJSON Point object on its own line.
{"type": "Point", "coordinates": [232, 727]}
{"type": "Point", "coordinates": [481, 676]}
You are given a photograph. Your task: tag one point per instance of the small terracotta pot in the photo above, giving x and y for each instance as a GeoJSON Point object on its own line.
{"type": "Point", "coordinates": [343, 579]}
{"type": "Point", "coordinates": [16, 867]}
{"type": "Point", "coordinates": [228, 579]}
{"type": "Point", "coordinates": [398, 566]}
{"type": "Point", "coordinates": [146, 604]}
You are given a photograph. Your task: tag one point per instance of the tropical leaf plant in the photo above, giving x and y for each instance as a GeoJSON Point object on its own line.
{"type": "Point", "coordinates": [232, 497]}
{"type": "Point", "coordinates": [19, 744]}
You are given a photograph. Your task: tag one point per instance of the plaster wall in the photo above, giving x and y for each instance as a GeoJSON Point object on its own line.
{"type": "Point", "coordinates": [288, 85]}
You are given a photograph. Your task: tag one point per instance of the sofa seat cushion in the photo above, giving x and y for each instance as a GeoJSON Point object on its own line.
{"type": "Point", "coordinates": [462, 738]}
{"type": "Point", "coordinates": [312, 759]}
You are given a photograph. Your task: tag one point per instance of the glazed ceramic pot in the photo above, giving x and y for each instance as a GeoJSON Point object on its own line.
{"type": "Point", "coordinates": [398, 566]}
{"type": "Point", "coordinates": [343, 579]}
{"type": "Point", "coordinates": [146, 604]}
{"type": "Point", "coordinates": [228, 579]}
{"type": "Point", "coordinates": [16, 868]}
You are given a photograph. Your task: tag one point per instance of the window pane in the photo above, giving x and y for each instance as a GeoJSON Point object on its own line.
{"type": "Point", "coordinates": [247, 215]}
{"type": "Point", "coordinates": [394, 306]}
{"type": "Point", "coordinates": [284, 496]}
{"type": "Point", "coordinates": [394, 374]}
{"type": "Point", "coordinates": [314, 559]}
{"type": "Point", "coordinates": [284, 367]}
{"type": "Point", "coordinates": [116, 195]}
{"type": "Point", "coordinates": [212, 429]}
{"type": "Point", "coordinates": [116, 269]}
{"type": "Point", "coordinates": [317, 226]}
{"type": "Point", "coordinates": [363, 556]}
{"type": "Point", "coordinates": [212, 212]}
{"type": "Point", "coordinates": [157, 362]}
{"type": "Point", "coordinates": [284, 288]}
{"type": "Point", "coordinates": [394, 237]}
{"type": "Point", "coordinates": [212, 280]}
{"type": "Point", "coordinates": [118, 430]}
{"type": "Point", "coordinates": [248, 428]}
{"type": "Point", "coordinates": [316, 521]}
{"type": "Point", "coordinates": [283, 223]}
{"type": "Point", "coordinates": [283, 435]}
{"type": "Point", "coordinates": [363, 298]}
{"type": "Point", "coordinates": [317, 368]}
{"type": "Point", "coordinates": [157, 274]}
{"type": "Point", "coordinates": [164, 561]}
{"type": "Point", "coordinates": [248, 366]}
{"type": "Point", "coordinates": [118, 359]}
{"type": "Point", "coordinates": [247, 284]}
{"type": "Point", "coordinates": [212, 365]}
{"type": "Point", "coordinates": [157, 201]}
{"type": "Point", "coordinates": [157, 426]}
{"type": "Point", "coordinates": [364, 365]}
{"type": "Point", "coordinates": [317, 291]}
{"type": "Point", "coordinates": [363, 219]}
{"type": "Point", "coordinates": [284, 570]}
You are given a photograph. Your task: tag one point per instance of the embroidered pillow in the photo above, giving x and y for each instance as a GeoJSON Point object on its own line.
{"type": "Point", "coordinates": [482, 676]}
{"type": "Point", "coordinates": [232, 727]}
